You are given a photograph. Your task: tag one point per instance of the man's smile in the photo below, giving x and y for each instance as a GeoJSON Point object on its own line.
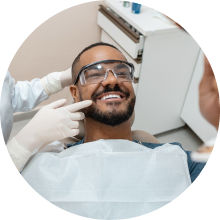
{"type": "Point", "coordinates": [111, 97]}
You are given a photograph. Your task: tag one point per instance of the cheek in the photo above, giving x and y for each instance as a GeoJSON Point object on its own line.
{"type": "Point", "coordinates": [129, 88]}
{"type": "Point", "coordinates": [132, 90]}
{"type": "Point", "coordinates": [86, 92]}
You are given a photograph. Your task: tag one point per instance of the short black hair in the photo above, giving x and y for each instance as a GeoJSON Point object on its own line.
{"type": "Point", "coordinates": [87, 48]}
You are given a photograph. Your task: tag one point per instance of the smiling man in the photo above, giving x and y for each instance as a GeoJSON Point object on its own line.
{"type": "Point", "coordinates": [108, 175]}
{"type": "Point", "coordinates": [101, 73]}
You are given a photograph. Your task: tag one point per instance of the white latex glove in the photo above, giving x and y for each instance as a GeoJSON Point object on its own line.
{"type": "Point", "coordinates": [53, 122]}
{"type": "Point", "coordinates": [56, 81]}
{"type": "Point", "coordinates": [66, 78]}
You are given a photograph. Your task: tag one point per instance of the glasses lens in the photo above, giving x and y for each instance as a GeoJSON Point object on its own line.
{"type": "Point", "coordinates": [96, 73]}
{"type": "Point", "coordinates": [123, 72]}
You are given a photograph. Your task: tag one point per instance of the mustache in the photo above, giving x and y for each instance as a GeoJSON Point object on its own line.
{"type": "Point", "coordinates": [109, 89]}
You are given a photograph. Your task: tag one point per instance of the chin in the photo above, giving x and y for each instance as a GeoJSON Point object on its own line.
{"type": "Point", "coordinates": [113, 113]}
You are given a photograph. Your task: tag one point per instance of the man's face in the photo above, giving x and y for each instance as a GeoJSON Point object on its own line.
{"type": "Point", "coordinates": [112, 110]}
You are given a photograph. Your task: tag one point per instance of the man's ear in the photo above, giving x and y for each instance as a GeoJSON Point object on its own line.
{"type": "Point", "coordinates": [75, 93]}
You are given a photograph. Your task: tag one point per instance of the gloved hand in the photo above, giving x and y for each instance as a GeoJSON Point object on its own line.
{"type": "Point", "coordinates": [66, 78]}
{"type": "Point", "coordinates": [53, 122]}
{"type": "Point", "coordinates": [54, 82]}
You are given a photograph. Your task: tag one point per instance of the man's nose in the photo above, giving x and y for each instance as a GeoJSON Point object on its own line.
{"type": "Point", "coordinates": [110, 80]}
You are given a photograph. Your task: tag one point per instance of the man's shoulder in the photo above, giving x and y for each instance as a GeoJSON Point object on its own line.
{"type": "Point", "coordinates": [195, 168]}
{"type": "Point", "coordinates": [155, 145]}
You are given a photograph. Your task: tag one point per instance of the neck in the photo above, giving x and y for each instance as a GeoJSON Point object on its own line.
{"type": "Point", "coordinates": [95, 130]}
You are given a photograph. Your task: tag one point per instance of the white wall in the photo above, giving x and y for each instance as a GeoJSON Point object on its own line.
{"type": "Point", "coordinates": [54, 44]}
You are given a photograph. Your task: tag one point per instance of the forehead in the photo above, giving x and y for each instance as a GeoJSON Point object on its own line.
{"type": "Point", "coordinates": [99, 53]}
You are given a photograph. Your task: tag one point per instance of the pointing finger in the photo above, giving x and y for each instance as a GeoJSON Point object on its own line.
{"type": "Point", "coordinates": [57, 104]}
{"type": "Point", "coordinates": [77, 116]}
{"type": "Point", "coordinates": [79, 105]}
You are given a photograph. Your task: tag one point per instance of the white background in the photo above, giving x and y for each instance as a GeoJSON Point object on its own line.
{"type": "Point", "coordinates": [19, 18]}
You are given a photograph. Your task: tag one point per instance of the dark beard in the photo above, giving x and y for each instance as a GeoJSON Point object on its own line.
{"type": "Point", "coordinates": [112, 118]}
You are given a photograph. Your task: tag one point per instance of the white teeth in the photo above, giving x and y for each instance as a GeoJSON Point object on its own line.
{"type": "Point", "coordinates": [110, 96]}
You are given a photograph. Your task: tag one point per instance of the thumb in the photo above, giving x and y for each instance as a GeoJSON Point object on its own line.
{"type": "Point", "coordinates": [57, 104]}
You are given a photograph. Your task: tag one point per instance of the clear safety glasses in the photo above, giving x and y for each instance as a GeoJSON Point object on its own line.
{"type": "Point", "coordinates": [97, 72]}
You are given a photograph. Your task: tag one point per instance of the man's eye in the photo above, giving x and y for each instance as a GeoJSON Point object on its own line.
{"type": "Point", "coordinates": [122, 74]}
{"type": "Point", "coordinates": [95, 75]}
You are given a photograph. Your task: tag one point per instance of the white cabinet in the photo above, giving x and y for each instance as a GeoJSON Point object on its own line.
{"type": "Point", "coordinates": [132, 46]}
{"type": "Point", "coordinates": [165, 65]}
{"type": "Point", "coordinates": [191, 113]}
